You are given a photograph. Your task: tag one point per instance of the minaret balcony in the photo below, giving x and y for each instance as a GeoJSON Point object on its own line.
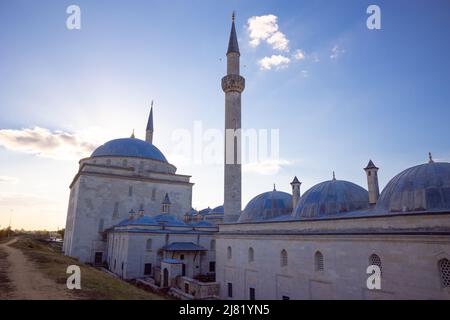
{"type": "Point", "coordinates": [233, 82]}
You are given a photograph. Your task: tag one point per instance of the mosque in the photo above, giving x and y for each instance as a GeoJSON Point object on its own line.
{"type": "Point", "coordinates": [130, 211]}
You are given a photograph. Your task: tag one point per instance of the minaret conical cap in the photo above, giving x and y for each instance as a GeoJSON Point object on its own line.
{"type": "Point", "coordinates": [233, 45]}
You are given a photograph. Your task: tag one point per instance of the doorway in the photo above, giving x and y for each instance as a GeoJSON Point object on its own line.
{"type": "Point", "coordinates": [98, 258]}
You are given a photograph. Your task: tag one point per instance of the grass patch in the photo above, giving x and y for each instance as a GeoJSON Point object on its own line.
{"type": "Point", "coordinates": [95, 284]}
{"type": "Point", "coordinates": [5, 283]}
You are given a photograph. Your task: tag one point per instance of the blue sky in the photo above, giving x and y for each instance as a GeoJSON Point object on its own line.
{"type": "Point", "coordinates": [381, 94]}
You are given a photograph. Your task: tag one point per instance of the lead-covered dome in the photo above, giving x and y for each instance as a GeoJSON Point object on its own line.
{"type": "Point", "coordinates": [129, 147]}
{"type": "Point", "coordinates": [267, 205]}
{"type": "Point", "coordinates": [424, 187]}
{"type": "Point", "coordinates": [331, 198]}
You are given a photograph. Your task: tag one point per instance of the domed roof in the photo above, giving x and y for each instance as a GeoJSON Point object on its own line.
{"type": "Point", "coordinates": [129, 147]}
{"type": "Point", "coordinates": [138, 221]}
{"type": "Point", "coordinates": [169, 220]}
{"type": "Point", "coordinates": [331, 198]}
{"type": "Point", "coordinates": [217, 210]}
{"type": "Point", "coordinates": [204, 211]}
{"type": "Point", "coordinates": [424, 187]}
{"type": "Point", "coordinates": [267, 205]}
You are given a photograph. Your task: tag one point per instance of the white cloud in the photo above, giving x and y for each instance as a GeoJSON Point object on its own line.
{"type": "Point", "coordinates": [336, 52]}
{"type": "Point", "coordinates": [6, 179]}
{"type": "Point", "coordinates": [267, 167]}
{"type": "Point", "coordinates": [299, 55]}
{"type": "Point", "coordinates": [275, 61]}
{"type": "Point", "coordinates": [45, 143]}
{"type": "Point", "coordinates": [265, 28]}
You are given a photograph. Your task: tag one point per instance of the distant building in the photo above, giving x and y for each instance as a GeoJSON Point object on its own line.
{"type": "Point", "coordinates": [130, 210]}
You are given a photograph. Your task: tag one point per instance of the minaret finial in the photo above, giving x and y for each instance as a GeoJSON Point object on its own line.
{"type": "Point", "coordinates": [233, 46]}
{"type": "Point", "coordinates": [233, 16]}
{"type": "Point", "coordinates": [132, 135]}
{"type": "Point", "coordinates": [430, 157]}
{"type": "Point", "coordinates": [274, 188]}
{"type": "Point", "coordinates": [334, 176]}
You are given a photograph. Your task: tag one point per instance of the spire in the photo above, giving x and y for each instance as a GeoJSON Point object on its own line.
{"type": "Point", "coordinates": [430, 157]}
{"type": "Point", "coordinates": [370, 165]}
{"type": "Point", "coordinates": [295, 181]}
{"type": "Point", "coordinates": [132, 135]}
{"type": "Point", "coordinates": [150, 119]}
{"type": "Point", "coordinates": [233, 43]}
{"type": "Point", "coordinates": [149, 129]}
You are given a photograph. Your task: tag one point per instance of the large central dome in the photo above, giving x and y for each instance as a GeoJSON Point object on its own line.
{"type": "Point", "coordinates": [424, 187]}
{"type": "Point", "coordinates": [331, 198]}
{"type": "Point", "coordinates": [129, 147]}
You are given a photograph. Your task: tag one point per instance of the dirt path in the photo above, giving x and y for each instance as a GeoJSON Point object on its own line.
{"type": "Point", "coordinates": [26, 281]}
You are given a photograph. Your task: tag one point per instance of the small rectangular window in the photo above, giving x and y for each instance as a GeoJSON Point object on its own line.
{"type": "Point", "coordinates": [252, 294]}
{"type": "Point", "coordinates": [147, 269]}
{"type": "Point", "coordinates": [130, 191]}
{"type": "Point", "coordinates": [212, 266]}
{"type": "Point", "coordinates": [230, 290]}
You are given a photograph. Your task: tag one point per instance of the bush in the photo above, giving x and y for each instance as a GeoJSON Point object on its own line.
{"type": "Point", "coordinates": [7, 232]}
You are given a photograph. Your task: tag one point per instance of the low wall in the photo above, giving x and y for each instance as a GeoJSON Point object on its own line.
{"type": "Point", "coordinates": [198, 290]}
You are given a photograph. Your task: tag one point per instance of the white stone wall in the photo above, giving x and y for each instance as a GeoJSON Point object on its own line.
{"type": "Point", "coordinates": [101, 197]}
{"type": "Point", "coordinates": [409, 261]}
{"type": "Point", "coordinates": [135, 254]}
{"type": "Point", "coordinates": [409, 267]}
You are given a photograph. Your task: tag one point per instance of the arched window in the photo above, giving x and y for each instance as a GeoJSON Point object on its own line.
{"type": "Point", "coordinates": [444, 269]}
{"type": "Point", "coordinates": [229, 253]}
{"type": "Point", "coordinates": [318, 261]}
{"type": "Point", "coordinates": [212, 245]}
{"type": "Point", "coordinates": [283, 258]}
{"type": "Point", "coordinates": [251, 254]}
{"type": "Point", "coordinates": [374, 260]}
{"type": "Point", "coordinates": [149, 245]}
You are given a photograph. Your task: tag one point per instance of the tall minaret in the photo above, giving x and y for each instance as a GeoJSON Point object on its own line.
{"type": "Point", "coordinates": [233, 85]}
{"type": "Point", "coordinates": [149, 129]}
{"type": "Point", "coordinates": [372, 182]}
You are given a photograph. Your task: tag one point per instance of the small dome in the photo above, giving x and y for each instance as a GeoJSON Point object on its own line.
{"type": "Point", "coordinates": [424, 187]}
{"type": "Point", "coordinates": [169, 220]}
{"type": "Point", "coordinates": [217, 210]}
{"type": "Point", "coordinates": [330, 198]}
{"type": "Point", "coordinates": [191, 212]}
{"type": "Point", "coordinates": [138, 221]}
{"type": "Point", "coordinates": [267, 205]}
{"type": "Point", "coordinates": [204, 211]}
{"type": "Point", "coordinates": [129, 147]}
